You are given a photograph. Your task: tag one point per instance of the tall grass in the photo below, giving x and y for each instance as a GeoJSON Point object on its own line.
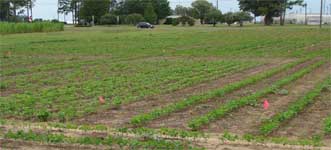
{"type": "Point", "coordinates": [7, 28]}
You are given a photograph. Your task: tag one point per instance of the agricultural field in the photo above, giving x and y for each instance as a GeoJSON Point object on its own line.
{"type": "Point", "coordinates": [170, 87]}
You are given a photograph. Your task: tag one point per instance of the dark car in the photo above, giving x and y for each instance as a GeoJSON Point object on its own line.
{"type": "Point", "coordinates": [144, 25]}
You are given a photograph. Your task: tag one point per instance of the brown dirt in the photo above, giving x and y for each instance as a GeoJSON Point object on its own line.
{"type": "Point", "coordinates": [121, 116]}
{"type": "Point", "coordinates": [249, 118]}
{"type": "Point", "coordinates": [180, 119]}
{"type": "Point", "coordinates": [309, 122]}
{"type": "Point", "coordinates": [7, 144]}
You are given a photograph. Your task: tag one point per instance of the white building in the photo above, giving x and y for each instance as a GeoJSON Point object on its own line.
{"type": "Point", "coordinates": [312, 19]}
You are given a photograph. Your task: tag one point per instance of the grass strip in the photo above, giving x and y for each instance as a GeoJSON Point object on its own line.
{"type": "Point", "coordinates": [232, 105]}
{"type": "Point", "coordinates": [196, 99]}
{"type": "Point", "coordinates": [122, 143]}
{"type": "Point", "coordinates": [293, 109]}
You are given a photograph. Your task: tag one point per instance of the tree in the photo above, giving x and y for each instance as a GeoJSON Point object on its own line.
{"type": "Point", "coordinates": [201, 8]}
{"type": "Point", "coordinates": [242, 16]}
{"type": "Point", "coordinates": [161, 8]}
{"type": "Point", "coordinates": [229, 18]}
{"type": "Point", "coordinates": [93, 8]}
{"type": "Point", "coordinates": [64, 7]}
{"type": "Point", "coordinates": [149, 14]}
{"type": "Point", "coordinates": [269, 8]}
{"type": "Point", "coordinates": [181, 10]}
{"type": "Point", "coordinates": [8, 9]}
{"type": "Point", "coordinates": [213, 16]}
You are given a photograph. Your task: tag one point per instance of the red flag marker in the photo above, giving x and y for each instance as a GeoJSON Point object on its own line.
{"type": "Point", "coordinates": [101, 100]}
{"type": "Point", "coordinates": [265, 104]}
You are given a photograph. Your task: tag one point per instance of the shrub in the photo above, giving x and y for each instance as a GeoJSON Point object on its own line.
{"type": "Point", "coordinates": [43, 115]}
{"type": "Point", "coordinates": [134, 19]}
{"type": "Point", "coordinates": [175, 22]}
{"type": "Point", "coordinates": [108, 19]}
{"type": "Point", "coordinates": [6, 28]}
{"type": "Point", "coordinates": [186, 20]}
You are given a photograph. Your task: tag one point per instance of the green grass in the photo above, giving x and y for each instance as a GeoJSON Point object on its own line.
{"type": "Point", "coordinates": [235, 104]}
{"type": "Point", "coordinates": [8, 28]}
{"type": "Point", "coordinates": [293, 109]}
{"type": "Point", "coordinates": [118, 141]}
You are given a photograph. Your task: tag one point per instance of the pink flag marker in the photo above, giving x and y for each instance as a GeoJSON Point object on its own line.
{"type": "Point", "coordinates": [265, 104]}
{"type": "Point", "coordinates": [101, 100]}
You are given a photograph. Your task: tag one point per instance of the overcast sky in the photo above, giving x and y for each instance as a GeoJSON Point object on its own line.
{"type": "Point", "coordinates": [47, 9]}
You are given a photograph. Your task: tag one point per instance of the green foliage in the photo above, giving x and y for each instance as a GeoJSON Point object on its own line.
{"type": "Point", "coordinates": [185, 20]}
{"type": "Point", "coordinates": [7, 28]}
{"type": "Point", "coordinates": [269, 9]}
{"type": "Point", "coordinates": [43, 115]}
{"type": "Point", "coordinates": [235, 104]}
{"type": "Point", "coordinates": [327, 125]}
{"type": "Point", "coordinates": [149, 14]}
{"type": "Point", "coordinates": [108, 19]}
{"type": "Point", "coordinates": [293, 109]}
{"type": "Point", "coordinates": [196, 99]}
{"type": "Point", "coordinates": [229, 137]}
{"type": "Point", "coordinates": [201, 9]}
{"type": "Point", "coordinates": [134, 19]}
{"type": "Point", "coordinates": [94, 8]}
{"type": "Point", "coordinates": [213, 16]}
{"type": "Point", "coordinates": [89, 140]}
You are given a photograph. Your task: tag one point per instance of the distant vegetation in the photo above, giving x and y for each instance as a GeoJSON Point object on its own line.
{"type": "Point", "coordinates": [6, 28]}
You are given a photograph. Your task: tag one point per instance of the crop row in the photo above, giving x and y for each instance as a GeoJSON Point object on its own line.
{"type": "Point", "coordinates": [293, 109]}
{"type": "Point", "coordinates": [327, 125]}
{"type": "Point", "coordinates": [196, 99]}
{"type": "Point", "coordinates": [119, 142]}
{"type": "Point", "coordinates": [123, 88]}
{"type": "Point", "coordinates": [235, 104]}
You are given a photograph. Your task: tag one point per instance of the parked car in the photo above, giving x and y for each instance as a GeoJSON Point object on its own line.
{"type": "Point", "coordinates": [144, 25]}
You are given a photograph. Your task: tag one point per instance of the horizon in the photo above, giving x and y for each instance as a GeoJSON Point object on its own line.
{"type": "Point", "coordinates": [47, 9]}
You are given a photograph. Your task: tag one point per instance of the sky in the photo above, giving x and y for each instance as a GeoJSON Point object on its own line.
{"type": "Point", "coordinates": [47, 9]}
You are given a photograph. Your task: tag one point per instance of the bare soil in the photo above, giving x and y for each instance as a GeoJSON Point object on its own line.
{"type": "Point", "coordinates": [180, 119]}
{"type": "Point", "coordinates": [7, 144]}
{"type": "Point", "coordinates": [121, 116]}
{"type": "Point", "coordinates": [249, 118]}
{"type": "Point", "coordinates": [310, 122]}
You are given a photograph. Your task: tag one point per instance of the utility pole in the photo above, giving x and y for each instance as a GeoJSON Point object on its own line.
{"type": "Point", "coordinates": [306, 21]}
{"type": "Point", "coordinates": [217, 4]}
{"type": "Point", "coordinates": [321, 14]}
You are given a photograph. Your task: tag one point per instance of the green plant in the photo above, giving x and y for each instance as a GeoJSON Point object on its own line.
{"type": "Point", "coordinates": [327, 125]}
{"type": "Point", "coordinates": [196, 99]}
{"type": "Point", "coordinates": [293, 109]}
{"type": "Point", "coordinates": [134, 19]}
{"type": "Point", "coordinates": [7, 28]}
{"type": "Point", "coordinates": [43, 115]}
{"type": "Point", "coordinates": [232, 105]}
{"type": "Point", "coordinates": [108, 19]}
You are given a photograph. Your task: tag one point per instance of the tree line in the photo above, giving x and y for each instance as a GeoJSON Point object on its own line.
{"type": "Point", "coordinates": [111, 11]}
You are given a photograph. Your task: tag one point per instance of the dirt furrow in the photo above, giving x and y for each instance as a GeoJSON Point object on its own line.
{"type": "Point", "coordinates": [309, 122]}
{"type": "Point", "coordinates": [180, 119]}
{"type": "Point", "coordinates": [249, 118]}
{"type": "Point", "coordinates": [118, 117]}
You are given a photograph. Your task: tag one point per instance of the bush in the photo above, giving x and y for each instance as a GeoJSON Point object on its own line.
{"type": "Point", "coordinates": [43, 115]}
{"type": "Point", "coordinates": [175, 22]}
{"type": "Point", "coordinates": [6, 28]}
{"type": "Point", "coordinates": [186, 20]}
{"type": "Point", "coordinates": [134, 19]}
{"type": "Point", "coordinates": [108, 19]}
